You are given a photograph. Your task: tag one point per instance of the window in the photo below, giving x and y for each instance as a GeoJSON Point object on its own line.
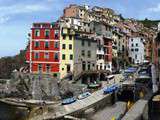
{"type": "Point", "coordinates": [82, 43]}
{"type": "Point", "coordinates": [64, 37]}
{"type": "Point", "coordinates": [83, 53]}
{"type": "Point", "coordinates": [63, 46]}
{"type": "Point", "coordinates": [47, 32]}
{"type": "Point", "coordinates": [136, 49]}
{"type": "Point", "coordinates": [48, 68]}
{"type": "Point", "coordinates": [132, 49]}
{"type": "Point", "coordinates": [71, 57]}
{"type": "Point", "coordinates": [56, 32]}
{"type": "Point", "coordinates": [89, 66]}
{"type": "Point", "coordinates": [63, 56]}
{"type": "Point", "coordinates": [46, 55]}
{"type": "Point", "coordinates": [70, 46]}
{"type": "Point", "coordinates": [89, 43]}
{"type": "Point", "coordinates": [70, 37]}
{"type": "Point", "coordinates": [37, 33]}
{"type": "Point", "coordinates": [108, 66]}
{"type": "Point", "coordinates": [136, 44]}
{"type": "Point", "coordinates": [89, 54]}
{"type": "Point", "coordinates": [36, 44]}
{"type": "Point", "coordinates": [56, 44]}
{"type": "Point", "coordinates": [36, 55]}
{"type": "Point", "coordinates": [135, 56]}
{"type": "Point", "coordinates": [56, 56]}
{"type": "Point", "coordinates": [132, 40]}
{"type": "Point", "coordinates": [132, 44]}
{"type": "Point", "coordinates": [62, 68]}
{"type": "Point", "coordinates": [40, 67]}
{"type": "Point", "coordinates": [46, 44]}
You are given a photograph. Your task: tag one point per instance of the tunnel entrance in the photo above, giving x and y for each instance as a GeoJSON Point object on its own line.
{"type": "Point", "coordinates": [126, 95]}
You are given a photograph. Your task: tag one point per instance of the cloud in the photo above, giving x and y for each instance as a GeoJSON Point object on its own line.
{"type": "Point", "coordinates": [6, 12]}
{"type": "Point", "coordinates": [155, 8]}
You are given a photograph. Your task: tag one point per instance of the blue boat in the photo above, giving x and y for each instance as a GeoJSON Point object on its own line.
{"type": "Point", "coordinates": [130, 70]}
{"type": "Point", "coordinates": [110, 89]}
{"type": "Point", "coordinates": [68, 101]}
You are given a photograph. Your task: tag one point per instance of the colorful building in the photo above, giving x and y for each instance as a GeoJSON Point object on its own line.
{"type": "Point", "coordinates": [136, 50]}
{"type": "Point", "coordinates": [104, 45]}
{"type": "Point", "coordinates": [67, 51]}
{"type": "Point", "coordinates": [43, 53]}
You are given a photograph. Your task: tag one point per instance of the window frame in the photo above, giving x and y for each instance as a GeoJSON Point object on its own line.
{"type": "Point", "coordinates": [36, 55]}
{"type": "Point", "coordinates": [46, 44]}
{"type": "Point", "coordinates": [71, 57]}
{"type": "Point", "coordinates": [46, 55]}
{"type": "Point", "coordinates": [56, 56]}
{"type": "Point", "coordinates": [70, 46]}
{"type": "Point", "coordinates": [63, 56]}
{"type": "Point", "coordinates": [47, 33]}
{"type": "Point", "coordinates": [36, 44]}
{"type": "Point", "coordinates": [63, 46]}
{"type": "Point", "coordinates": [56, 44]}
{"type": "Point", "coordinates": [37, 34]}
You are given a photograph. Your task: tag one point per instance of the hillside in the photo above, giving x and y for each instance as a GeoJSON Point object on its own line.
{"type": "Point", "coordinates": [149, 23]}
{"type": "Point", "coordinates": [8, 64]}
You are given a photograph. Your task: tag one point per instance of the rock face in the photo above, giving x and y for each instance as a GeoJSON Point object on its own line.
{"type": "Point", "coordinates": [44, 87]}
{"type": "Point", "coordinates": [68, 89]}
{"type": "Point", "coordinates": [39, 87]}
{"type": "Point", "coordinates": [31, 86]}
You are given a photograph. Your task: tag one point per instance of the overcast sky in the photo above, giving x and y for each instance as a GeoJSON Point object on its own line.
{"type": "Point", "coordinates": [17, 16]}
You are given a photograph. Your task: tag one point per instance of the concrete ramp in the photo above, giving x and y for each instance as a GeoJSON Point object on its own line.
{"type": "Point", "coordinates": [139, 111]}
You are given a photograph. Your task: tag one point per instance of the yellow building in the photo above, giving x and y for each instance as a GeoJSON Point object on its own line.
{"type": "Point", "coordinates": [67, 51]}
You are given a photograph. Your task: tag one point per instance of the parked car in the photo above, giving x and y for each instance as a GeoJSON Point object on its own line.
{"type": "Point", "coordinates": [84, 95]}
{"type": "Point", "coordinates": [68, 101]}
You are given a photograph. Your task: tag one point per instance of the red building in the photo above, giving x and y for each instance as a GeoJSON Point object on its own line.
{"type": "Point", "coordinates": [108, 52]}
{"type": "Point", "coordinates": [44, 48]}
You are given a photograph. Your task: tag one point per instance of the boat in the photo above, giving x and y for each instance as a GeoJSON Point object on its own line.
{"type": "Point", "coordinates": [110, 89]}
{"type": "Point", "coordinates": [68, 101]}
{"type": "Point", "coordinates": [84, 95]}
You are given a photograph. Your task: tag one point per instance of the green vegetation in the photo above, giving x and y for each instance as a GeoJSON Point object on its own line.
{"type": "Point", "coordinates": [149, 23]}
{"type": "Point", "coordinates": [8, 64]}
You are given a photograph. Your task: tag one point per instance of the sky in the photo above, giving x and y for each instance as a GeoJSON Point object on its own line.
{"type": "Point", "coordinates": [17, 16]}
